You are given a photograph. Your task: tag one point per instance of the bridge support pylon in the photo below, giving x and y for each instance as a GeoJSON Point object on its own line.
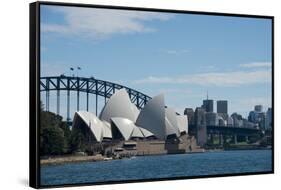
{"type": "Point", "coordinates": [212, 138]}
{"type": "Point", "coordinates": [246, 138]}
{"type": "Point", "coordinates": [235, 139]}
{"type": "Point", "coordinates": [221, 139]}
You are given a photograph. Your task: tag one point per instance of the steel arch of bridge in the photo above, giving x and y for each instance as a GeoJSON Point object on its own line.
{"type": "Point", "coordinates": [91, 85]}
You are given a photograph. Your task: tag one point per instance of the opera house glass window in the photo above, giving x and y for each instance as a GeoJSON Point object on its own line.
{"type": "Point", "coordinates": [135, 94]}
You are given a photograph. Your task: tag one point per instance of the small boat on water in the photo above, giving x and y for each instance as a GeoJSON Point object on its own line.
{"type": "Point", "coordinates": [107, 159]}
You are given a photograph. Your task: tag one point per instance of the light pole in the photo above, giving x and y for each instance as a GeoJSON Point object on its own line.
{"type": "Point", "coordinates": [71, 71]}
{"type": "Point", "coordinates": [78, 68]}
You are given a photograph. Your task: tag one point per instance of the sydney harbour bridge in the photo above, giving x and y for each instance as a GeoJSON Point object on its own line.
{"type": "Point", "coordinates": [99, 88]}
{"type": "Point", "coordinates": [103, 90]}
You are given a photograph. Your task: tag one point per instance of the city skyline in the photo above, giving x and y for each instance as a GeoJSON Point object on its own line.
{"type": "Point", "coordinates": [180, 55]}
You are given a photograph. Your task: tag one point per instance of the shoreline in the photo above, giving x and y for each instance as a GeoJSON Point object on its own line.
{"type": "Point", "coordinates": [64, 159]}
{"type": "Point", "coordinates": [56, 160]}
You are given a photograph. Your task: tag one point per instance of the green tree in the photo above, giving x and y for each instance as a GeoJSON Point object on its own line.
{"type": "Point", "coordinates": [77, 141]}
{"type": "Point", "coordinates": [54, 134]}
{"type": "Point", "coordinates": [53, 141]}
{"type": "Point", "coordinates": [67, 136]}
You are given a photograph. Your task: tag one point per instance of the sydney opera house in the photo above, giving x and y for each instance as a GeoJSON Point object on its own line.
{"type": "Point", "coordinates": [121, 120]}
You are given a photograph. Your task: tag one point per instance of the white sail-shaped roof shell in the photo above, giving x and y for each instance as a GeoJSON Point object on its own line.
{"type": "Point", "coordinates": [125, 126]}
{"type": "Point", "coordinates": [135, 110]}
{"type": "Point", "coordinates": [171, 122]}
{"type": "Point", "coordinates": [169, 129]}
{"type": "Point", "coordinates": [145, 132]}
{"type": "Point", "coordinates": [92, 122]}
{"type": "Point", "coordinates": [119, 105]}
{"type": "Point", "coordinates": [106, 130]}
{"type": "Point", "coordinates": [182, 123]}
{"type": "Point", "coordinates": [137, 133]}
{"type": "Point", "coordinates": [152, 117]}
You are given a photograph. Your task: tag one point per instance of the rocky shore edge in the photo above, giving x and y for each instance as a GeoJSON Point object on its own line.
{"type": "Point", "coordinates": [70, 159]}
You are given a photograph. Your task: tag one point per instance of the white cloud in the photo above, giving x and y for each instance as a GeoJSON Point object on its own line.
{"type": "Point", "coordinates": [213, 79]}
{"type": "Point", "coordinates": [53, 69]}
{"type": "Point", "coordinates": [56, 28]}
{"type": "Point", "coordinates": [175, 51]}
{"type": "Point", "coordinates": [255, 101]}
{"type": "Point", "coordinates": [256, 65]}
{"type": "Point", "coordinates": [101, 23]}
{"type": "Point", "coordinates": [174, 91]}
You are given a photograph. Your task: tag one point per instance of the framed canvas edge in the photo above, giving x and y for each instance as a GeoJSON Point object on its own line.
{"type": "Point", "coordinates": [34, 91]}
{"type": "Point", "coordinates": [34, 100]}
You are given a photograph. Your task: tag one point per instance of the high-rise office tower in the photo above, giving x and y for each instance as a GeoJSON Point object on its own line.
{"type": "Point", "coordinates": [208, 105]}
{"type": "Point", "coordinates": [258, 108]}
{"type": "Point", "coordinates": [222, 106]}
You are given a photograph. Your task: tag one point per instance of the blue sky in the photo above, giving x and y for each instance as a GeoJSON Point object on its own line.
{"type": "Point", "coordinates": [180, 55]}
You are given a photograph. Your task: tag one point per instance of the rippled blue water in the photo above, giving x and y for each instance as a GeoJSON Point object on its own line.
{"type": "Point", "coordinates": [162, 166]}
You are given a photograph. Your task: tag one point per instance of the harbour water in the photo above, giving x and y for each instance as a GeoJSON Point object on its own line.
{"type": "Point", "coordinates": [160, 166]}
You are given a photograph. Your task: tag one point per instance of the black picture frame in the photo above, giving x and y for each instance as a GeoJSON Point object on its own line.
{"type": "Point", "coordinates": [34, 90]}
